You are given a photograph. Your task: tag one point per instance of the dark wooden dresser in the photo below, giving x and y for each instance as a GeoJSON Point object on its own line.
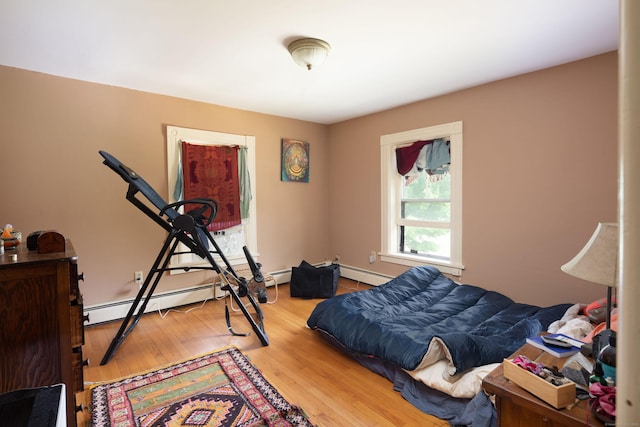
{"type": "Point", "coordinates": [41, 322]}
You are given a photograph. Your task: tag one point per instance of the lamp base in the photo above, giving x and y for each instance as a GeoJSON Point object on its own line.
{"type": "Point", "coordinates": [601, 340]}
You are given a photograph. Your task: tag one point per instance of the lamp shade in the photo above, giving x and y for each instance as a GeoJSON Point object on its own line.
{"type": "Point", "coordinates": [597, 261]}
{"type": "Point", "coordinates": [309, 53]}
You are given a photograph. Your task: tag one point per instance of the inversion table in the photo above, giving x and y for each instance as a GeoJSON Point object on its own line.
{"type": "Point", "coordinates": [189, 228]}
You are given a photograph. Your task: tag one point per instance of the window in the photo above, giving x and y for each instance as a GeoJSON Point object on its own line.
{"type": "Point", "coordinates": [422, 221]}
{"type": "Point", "coordinates": [232, 239]}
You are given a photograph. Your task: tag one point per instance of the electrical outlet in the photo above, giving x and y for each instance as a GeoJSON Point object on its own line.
{"type": "Point", "coordinates": [138, 276]}
{"type": "Point", "coordinates": [336, 260]}
{"type": "Point", "coordinates": [372, 257]}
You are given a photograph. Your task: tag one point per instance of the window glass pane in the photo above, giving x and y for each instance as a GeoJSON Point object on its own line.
{"type": "Point", "coordinates": [427, 211]}
{"type": "Point", "coordinates": [421, 187]}
{"type": "Point", "coordinates": [432, 242]}
{"type": "Point", "coordinates": [427, 200]}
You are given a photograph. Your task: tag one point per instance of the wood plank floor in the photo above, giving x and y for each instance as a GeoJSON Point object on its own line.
{"type": "Point", "coordinates": [333, 389]}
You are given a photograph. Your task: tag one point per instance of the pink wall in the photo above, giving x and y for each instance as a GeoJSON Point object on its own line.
{"type": "Point", "coordinates": [539, 171]}
{"type": "Point", "coordinates": [53, 178]}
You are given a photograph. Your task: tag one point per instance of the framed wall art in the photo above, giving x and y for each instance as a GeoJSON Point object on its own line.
{"type": "Point", "coordinates": [295, 161]}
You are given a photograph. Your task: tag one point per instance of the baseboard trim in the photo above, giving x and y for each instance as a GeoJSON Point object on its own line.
{"type": "Point", "coordinates": [101, 313]}
{"type": "Point", "coordinates": [364, 276]}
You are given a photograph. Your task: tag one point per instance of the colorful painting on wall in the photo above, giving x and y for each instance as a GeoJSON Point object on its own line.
{"type": "Point", "coordinates": [295, 160]}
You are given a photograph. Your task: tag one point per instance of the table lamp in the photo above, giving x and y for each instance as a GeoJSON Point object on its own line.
{"type": "Point", "coordinates": [597, 262]}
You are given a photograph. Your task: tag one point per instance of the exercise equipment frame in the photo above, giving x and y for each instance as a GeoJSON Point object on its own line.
{"type": "Point", "coordinates": [189, 228]}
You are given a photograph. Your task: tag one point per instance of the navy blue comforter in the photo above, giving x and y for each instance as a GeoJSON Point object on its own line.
{"type": "Point", "coordinates": [397, 321]}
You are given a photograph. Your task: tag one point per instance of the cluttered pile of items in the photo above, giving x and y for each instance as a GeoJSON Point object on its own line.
{"type": "Point", "coordinates": [584, 339]}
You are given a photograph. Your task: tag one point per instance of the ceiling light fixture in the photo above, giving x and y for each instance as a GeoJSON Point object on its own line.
{"type": "Point", "coordinates": [309, 52]}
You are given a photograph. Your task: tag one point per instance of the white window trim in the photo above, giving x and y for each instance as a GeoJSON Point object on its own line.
{"type": "Point", "coordinates": [175, 135]}
{"type": "Point", "coordinates": [391, 181]}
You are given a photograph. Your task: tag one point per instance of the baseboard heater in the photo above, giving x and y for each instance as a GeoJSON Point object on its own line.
{"type": "Point", "coordinates": [101, 313]}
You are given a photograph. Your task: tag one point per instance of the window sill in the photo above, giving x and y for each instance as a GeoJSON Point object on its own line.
{"type": "Point", "coordinates": [416, 261]}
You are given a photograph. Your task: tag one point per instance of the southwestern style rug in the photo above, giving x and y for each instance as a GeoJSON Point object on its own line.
{"type": "Point", "coordinates": [222, 389]}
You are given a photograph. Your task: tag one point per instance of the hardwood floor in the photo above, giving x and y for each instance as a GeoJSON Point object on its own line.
{"type": "Point", "coordinates": [333, 389]}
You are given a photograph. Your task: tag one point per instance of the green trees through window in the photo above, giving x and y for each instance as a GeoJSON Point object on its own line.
{"type": "Point", "coordinates": [426, 200]}
{"type": "Point", "coordinates": [421, 221]}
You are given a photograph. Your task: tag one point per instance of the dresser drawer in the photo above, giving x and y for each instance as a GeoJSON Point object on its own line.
{"type": "Point", "coordinates": [74, 281]}
{"type": "Point", "coordinates": [77, 363]}
{"type": "Point", "coordinates": [77, 323]}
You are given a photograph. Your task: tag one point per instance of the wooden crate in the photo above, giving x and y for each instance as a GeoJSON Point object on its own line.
{"type": "Point", "coordinates": [557, 396]}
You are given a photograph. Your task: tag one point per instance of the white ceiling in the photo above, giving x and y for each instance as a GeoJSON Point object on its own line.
{"type": "Point", "coordinates": [233, 52]}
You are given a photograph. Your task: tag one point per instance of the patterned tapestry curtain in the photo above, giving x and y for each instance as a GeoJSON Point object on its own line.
{"type": "Point", "coordinates": [433, 157]}
{"type": "Point", "coordinates": [212, 171]}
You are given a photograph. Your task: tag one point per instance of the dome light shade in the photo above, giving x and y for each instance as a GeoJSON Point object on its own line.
{"type": "Point", "coordinates": [309, 53]}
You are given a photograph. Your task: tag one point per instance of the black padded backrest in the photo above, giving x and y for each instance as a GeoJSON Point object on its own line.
{"type": "Point", "coordinates": [132, 178]}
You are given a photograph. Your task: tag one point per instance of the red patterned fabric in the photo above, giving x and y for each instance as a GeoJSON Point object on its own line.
{"type": "Point", "coordinates": [212, 171]}
{"type": "Point", "coordinates": [407, 156]}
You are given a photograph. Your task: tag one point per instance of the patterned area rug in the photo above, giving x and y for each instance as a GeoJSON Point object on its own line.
{"type": "Point", "coordinates": [218, 389]}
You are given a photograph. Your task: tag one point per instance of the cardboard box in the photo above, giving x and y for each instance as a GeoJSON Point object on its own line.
{"type": "Point", "coordinates": [557, 396]}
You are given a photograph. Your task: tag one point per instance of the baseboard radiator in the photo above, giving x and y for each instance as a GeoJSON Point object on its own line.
{"type": "Point", "coordinates": [101, 313]}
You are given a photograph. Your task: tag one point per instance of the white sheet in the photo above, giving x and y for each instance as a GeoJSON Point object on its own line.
{"type": "Point", "coordinates": [466, 385]}
{"type": "Point", "coordinates": [437, 366]}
